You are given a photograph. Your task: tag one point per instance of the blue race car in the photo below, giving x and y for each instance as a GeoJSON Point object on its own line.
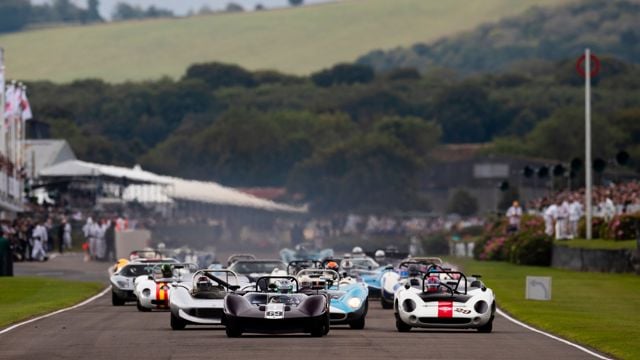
{"type": "Point", "coordinates": [349, 297]}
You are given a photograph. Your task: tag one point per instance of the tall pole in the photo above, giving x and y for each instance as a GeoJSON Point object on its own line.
{"type": "Point", "coordinates": [587, 142]}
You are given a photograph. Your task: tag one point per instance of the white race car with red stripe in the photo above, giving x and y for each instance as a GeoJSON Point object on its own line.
{"type": "Point", "coordinates": [447, 299]}
{"type": "Point", "coordinates": [152, 291]}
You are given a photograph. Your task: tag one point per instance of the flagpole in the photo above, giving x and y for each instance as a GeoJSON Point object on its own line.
{"type": "Point", "coordinates": [3, 147]}
{"type": "Point", "coordinates": [587, 167]}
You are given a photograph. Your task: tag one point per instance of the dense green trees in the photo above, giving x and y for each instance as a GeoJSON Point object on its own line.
{"type": "Point", "coordinates": [358, 145]}
{"type": "Point", "coordinates": [552, 33]}
{"type": "Point", "coordinates": [14, 14]}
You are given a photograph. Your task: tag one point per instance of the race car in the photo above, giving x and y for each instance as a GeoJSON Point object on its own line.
{"type": "Point", "coordinates": [122, 281]}
{"type": "Point", "coordinates": [152, 291]}
{"type": "Point", "coordinates": [294, 267]}
{"type": "Point", "coordinates": [446, 299]}
{"type": "Point", "coordinates": [201, 302]}
{"type": "Point", "coordinates": [236, 257]}
{"type": "Point", "coordinates": [250, 270]}
{"type": "Point", "coordinates": [302, 253]}
{"type": "Point", "coordinates": [409, 270]}
{"type": "Point", "coordinates": [349, 297]}
{"type": "Point", "coordinates": [276, 307]}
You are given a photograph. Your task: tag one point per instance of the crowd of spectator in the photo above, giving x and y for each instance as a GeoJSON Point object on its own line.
{"type": "Point", "coordinates": [563, 210]}
{"type": "Point", "coordinates": [42, 230]}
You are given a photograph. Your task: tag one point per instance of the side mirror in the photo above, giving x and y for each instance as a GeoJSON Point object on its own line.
{"type": "Point", "coordinates": [407, 286]}
{"type": "Point", "coordinates": [175, 283]}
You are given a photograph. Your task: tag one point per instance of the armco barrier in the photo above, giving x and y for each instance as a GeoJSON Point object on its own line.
{"type": "Point", "coordinates": [617, 261]}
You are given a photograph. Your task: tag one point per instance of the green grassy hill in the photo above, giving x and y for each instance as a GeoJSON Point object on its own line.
{"type": "Point", "coordinates": [298, 40]}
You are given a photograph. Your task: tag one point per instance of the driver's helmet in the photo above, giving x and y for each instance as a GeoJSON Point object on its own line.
{"type": "Point", "coordinates": [379, 255]}
{"type": "Point", "coordinates": [166, 270]}
{"type": "Point", "coordinates": [203, 284]}
{"type": "Point", "coordinates": [413, 270]}
{"type": "Point", "coordinates": [332, 265]}
{"type": "Point", "coordinates": [347, 266]}
{"type": "Point", "coordinates": [433, 284]}
{"type": "Point", "coordinates": [357, 251]}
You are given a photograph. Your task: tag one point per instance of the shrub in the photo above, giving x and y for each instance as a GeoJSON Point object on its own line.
{"type": "Point", "coordinates": [531, 249]}
{"type": "Point", "coordinates": [529, 246]}
{"type": "Point", "coordinates": [596, 224]}
{"type": "Point", "coordinates": [621, 227]}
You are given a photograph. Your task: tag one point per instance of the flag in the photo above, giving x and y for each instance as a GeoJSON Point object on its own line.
{"type": "Point", "coordinates": [9, 104]}
{"type": "Point", "coordinates": [25, 113]}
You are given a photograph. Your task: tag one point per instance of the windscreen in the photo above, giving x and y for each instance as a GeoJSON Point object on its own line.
{"type": "Point", "coordinates": [261, 267]}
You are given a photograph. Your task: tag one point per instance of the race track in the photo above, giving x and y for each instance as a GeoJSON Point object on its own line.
{"type": "Point", "coordinates": [102, 331]}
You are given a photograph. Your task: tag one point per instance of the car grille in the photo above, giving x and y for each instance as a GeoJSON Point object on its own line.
{"type": "Point", "coordinates": [451, 321]}
{"type": "Point", "coordinates": [206, 313]}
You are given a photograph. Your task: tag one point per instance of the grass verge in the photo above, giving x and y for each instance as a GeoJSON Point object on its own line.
{"type": "Point", "coordinates": [595, 309]}
{"type": "Point", "coordinates": [25, 297]}
{"type": "Point", "coordinates": [598, 244]}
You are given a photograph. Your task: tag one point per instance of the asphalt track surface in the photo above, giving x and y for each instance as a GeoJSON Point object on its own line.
{"type": "Point", "coordinates": [102, 331]}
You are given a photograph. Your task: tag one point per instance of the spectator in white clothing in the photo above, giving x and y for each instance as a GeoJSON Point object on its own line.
{"type": "Point", "coordinates": [575, 213]}
{"type": "Point", "coordinates": [40, 237]}
{"type": "Point", "coordinates": [514, 213]}
{"type": "Point", "coordinates": [550, 214]}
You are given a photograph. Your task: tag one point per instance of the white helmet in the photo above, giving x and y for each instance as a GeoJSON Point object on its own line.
{"type": "Point", "coordinates": [379, 254]}
{"type": "Point", "coordinates": [346, 265]}
{"type": "Point", "coordinates": [357, 250]}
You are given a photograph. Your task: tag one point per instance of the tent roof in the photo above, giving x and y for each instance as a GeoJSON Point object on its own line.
{"type": "Point", "coordinates": [176, 189]}
{"type": "Point", "coordinates": [78, 168]}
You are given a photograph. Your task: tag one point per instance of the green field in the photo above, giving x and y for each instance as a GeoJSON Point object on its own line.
{"type": "Point", "coordinates": [598, 244]}
{"type": "Point", "coordinates": [25, 297]}
{"type": "Point", "coordinates": [595, 309]}
{"type": "Point", "coordinates": [294, 40]}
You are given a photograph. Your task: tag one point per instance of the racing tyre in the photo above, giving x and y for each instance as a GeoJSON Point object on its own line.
{"type": "Point", "coordinates": [486, 328]}
{"type": "Point", "coordinates": [115, 300]}
{"type": "Point", "coordinates": [357, 324]}
{"type": "Point", "coordinates": [141, 308]}
{"type": "Point", "coordinates": [320, 328]}
{"type": "Point", "coordinates": [401, 326]}
{"type": "Point", "coordinates": [327, 326]}
{"type": "Point", "coordinates": [177, 323]}
{"type": "Point", "coordinates": [233, 330]}
{"type": "Point", "coordinates": [385, 304]}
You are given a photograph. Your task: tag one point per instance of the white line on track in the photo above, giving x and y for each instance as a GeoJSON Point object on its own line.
{"type": "Point", "coordinates": [55, 312]}
{"type": "Point", "coordinates": [567, 342]}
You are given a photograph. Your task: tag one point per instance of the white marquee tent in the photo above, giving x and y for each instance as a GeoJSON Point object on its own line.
{"type": "Point", "coordinates": [145, 186]}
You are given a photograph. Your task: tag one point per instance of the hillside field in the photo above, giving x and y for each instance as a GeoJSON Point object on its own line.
{"type": "Point", "coordinates": [293, 40]}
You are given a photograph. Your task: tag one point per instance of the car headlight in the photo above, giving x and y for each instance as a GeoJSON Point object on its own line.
{"type": "Point", "coordinates": [146, 292]}
{"type": "Point", "coordinates": [121, 283]}
{"type": "Point", "coordinates": [354, 303]}
{"type": "Point", "coordinates": [481, 307]}
{"type": "Point", "coordinates": [409, 305]}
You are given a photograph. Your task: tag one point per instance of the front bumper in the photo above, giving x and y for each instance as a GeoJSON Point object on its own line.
{"type": "Point", "coordinates": [275, 326]}
{"type": "Point", "coordinates": [126, 295]}
{"type": "Point", "coordinates": [340, 317]}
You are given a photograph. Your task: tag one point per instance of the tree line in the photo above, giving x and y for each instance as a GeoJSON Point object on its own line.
{"type": "Point", "coordinates": [550, 33]}
{"type": "Point", "coordinates": [344, 137]}
{"type": "Point", "coordinates": [16, 15]}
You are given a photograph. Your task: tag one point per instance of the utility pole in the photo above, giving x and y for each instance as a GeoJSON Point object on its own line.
{"type": "Point", "coordinates": [587, 142]}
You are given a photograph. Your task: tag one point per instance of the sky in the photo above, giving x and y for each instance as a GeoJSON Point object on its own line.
{"type": "Point", "coordinates": [182, 7]}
